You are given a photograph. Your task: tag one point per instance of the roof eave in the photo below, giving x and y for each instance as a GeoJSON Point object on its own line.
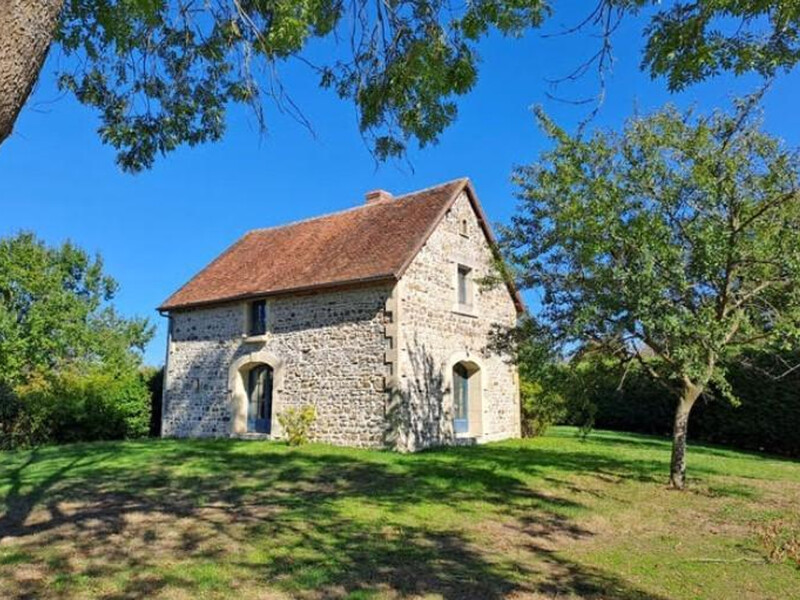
{"type": "Point", "coordinates": [166, 307]}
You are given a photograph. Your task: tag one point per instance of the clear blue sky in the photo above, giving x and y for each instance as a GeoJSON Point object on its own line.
{"type": "Point", "coordinates": [156, 229]}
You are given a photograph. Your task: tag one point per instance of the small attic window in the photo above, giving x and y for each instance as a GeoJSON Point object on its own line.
{"type": "Point", "coordinates": [463, 228]}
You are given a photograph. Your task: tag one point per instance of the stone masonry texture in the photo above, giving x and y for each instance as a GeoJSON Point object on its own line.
{"type": "Point", "coordinates": [332, 349]}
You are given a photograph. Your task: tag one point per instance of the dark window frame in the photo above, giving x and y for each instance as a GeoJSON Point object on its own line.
{"type": "Point", "coordinates": [257, 318]}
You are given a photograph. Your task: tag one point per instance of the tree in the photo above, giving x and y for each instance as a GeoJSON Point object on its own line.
{"type": "Point", "coordinates": [26, 30]}
{"type": "Point", "coordinates": [55, 313]}
{"type": "Point", "coordinates": [675, 244]}
{"type": "Point", "coordinates": [161, 73]}
{"type": "Point", "coordinates": [69, 363]}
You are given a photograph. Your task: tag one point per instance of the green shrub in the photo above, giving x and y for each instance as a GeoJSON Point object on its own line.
{"type": "Point", "coordinates": [540, 408]}
{"type": "Point", "coordinates": [71, 407]}
{"type": "Point", "coordinates": [296, 423]}
{"type": "Point", "coordinates": [10, 417]}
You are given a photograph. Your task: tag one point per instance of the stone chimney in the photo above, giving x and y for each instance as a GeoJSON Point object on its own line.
{"type": "Point", "coordinates": [377, 196]}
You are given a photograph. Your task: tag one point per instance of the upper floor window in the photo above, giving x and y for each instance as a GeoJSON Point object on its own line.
{"type": "Point", "coordinates": [257, 318]}
{"type": "Point", "coordinates": [464, 286]}
{"type": "Point", "coordinates": [463, 228]}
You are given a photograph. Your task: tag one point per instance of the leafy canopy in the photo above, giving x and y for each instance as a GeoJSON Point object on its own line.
{"type": "Point", "coordinates": [162, 73]}
{"type": "Point", "coordinates": [55, 313]}
{"type": "Point", "coordinates": [681, 234]}
{"type": "Point", "coordinates": [688, 42]}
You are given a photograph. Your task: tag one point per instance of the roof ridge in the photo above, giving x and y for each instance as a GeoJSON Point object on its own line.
{"type": "Point", "coordinates": [432, 187]}
{"type": "Point", "coordinates": [352, 208]}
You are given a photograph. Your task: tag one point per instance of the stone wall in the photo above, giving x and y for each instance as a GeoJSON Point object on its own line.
{"type": "Point", "coordinates": [435, 333]}
{"type": "Point", "coordinates": [329, 351]}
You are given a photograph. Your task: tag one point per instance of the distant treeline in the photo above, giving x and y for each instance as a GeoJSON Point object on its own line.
{"type": "Point", "coordinates": [767, 418]}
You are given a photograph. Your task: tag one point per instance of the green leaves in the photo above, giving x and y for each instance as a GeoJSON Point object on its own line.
{"type": "Point", "coordinates": [54, 312]}
{"type": "Point", "coordinates": [69, 364]}
{"type": "Point", "coordinates": [689, 42]}
{"type": "Point", "coordinates": [163, 73]}
{"type": "Point", "coordinates": [681, 234]}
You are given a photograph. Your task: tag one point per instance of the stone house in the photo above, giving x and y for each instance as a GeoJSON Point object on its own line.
{"type": "Point", "coordinates": [375, 315]}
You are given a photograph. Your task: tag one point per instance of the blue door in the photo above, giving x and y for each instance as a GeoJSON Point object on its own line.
{"type": "Point", "coordinates": [460, 399]}
{"type": "Point", "coordinates": [259, 399]}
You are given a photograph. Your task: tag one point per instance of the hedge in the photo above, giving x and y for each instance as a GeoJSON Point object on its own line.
{"type": "Point", "coordinates": [768, 418]}
{"type": "Point", "coordinates": [73, 407]}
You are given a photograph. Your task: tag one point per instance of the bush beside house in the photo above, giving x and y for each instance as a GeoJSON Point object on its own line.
{"type": "Point", "coordinates": [71, 407]}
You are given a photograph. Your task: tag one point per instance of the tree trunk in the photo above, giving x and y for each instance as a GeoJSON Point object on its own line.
{"type": "Point", "coordinates": [26, 30]}
{"type": "Point", "coordinates": [677, 471]}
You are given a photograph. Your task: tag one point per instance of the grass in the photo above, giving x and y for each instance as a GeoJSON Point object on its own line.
{"type": "Point", "coordinates": [556, 517]}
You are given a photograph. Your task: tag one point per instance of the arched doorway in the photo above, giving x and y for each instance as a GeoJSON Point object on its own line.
{"type": "Point", "coordinates": [255, 382]}
{"type": "Point", "coordinates": [465, 393]}
{"type": "Point", "coordinates": [259, 399]}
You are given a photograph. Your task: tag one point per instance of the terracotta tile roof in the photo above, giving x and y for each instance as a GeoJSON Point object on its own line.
{"type": "Point", "coordinates": [372, 242]}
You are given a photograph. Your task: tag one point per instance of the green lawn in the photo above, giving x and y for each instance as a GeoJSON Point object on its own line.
{"type": "Point", "coordinates": [555, 517]}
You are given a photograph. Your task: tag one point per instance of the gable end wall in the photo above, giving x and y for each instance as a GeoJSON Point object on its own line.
{"type": "Point", "coordinates": [433, 334]}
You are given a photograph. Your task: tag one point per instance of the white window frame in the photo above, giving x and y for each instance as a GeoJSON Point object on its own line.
{"type": "Point", "coordinates": [469, 307]}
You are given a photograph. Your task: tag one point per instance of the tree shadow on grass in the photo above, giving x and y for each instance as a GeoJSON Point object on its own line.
{"type": "Point", "coordinates": [198, 516]}
{"type": "Point", "coordinates": [537, 461]}
{"type": "Point", "coordinates": [534, 462]}
{"type": "Point", "coordinates": [663, 443]}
